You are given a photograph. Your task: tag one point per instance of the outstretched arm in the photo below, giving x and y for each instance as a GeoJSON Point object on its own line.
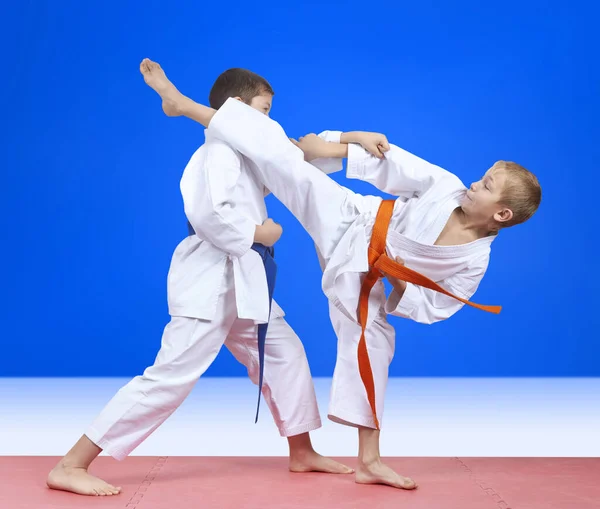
{"type": "Point", "coordinates": [372, 159]}
{"type": "Point", "coordinates": [175, 104]}
{"type": "Point", "coordinates": [394, 171]}
{"type": "Point", "coordinates": [334, 144]}
{"type": "Point", "coordinates": [399, 173]}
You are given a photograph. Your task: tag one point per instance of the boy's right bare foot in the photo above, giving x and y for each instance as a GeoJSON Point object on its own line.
{"type": "Point", "coordinates": [156, 79]}
{"type": "Point", "coordinates": [377, 472]}
{"type": "Point", "coordinates": [77, 480]}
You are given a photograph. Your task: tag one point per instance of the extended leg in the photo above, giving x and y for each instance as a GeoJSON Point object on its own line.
{"type": "Point", "coordinates": [324, 208]}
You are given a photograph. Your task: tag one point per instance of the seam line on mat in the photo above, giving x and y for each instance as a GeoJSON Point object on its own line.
{"type": "Point", "coordinates": [137, 497]}
{"type": "Point", "coordinates": [488, 490]}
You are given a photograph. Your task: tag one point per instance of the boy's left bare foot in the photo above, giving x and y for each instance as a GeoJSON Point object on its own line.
{"type": "Point", "coordinates": [311, 461]}
{"type": "Point", "coordinates": [156, 79]}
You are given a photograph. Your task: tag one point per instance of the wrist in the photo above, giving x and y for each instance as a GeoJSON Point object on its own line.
{"type": "Point", "coordinates": [350, 137]}
{"type": "Point", "coordinates": [259, 234]}
{"type": "Point", "coordinates": [399, 287]}
{"type": "Point", "coordinates": [336, 150]}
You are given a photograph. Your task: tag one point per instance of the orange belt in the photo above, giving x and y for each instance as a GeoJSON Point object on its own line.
{"type": "Point", "coordinates": [379, 262]}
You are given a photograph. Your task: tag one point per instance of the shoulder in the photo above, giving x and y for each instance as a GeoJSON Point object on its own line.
{"type": "Point", "coordinates": [218, 151]}
{"type": "Point", "coordinates": [212, 154]}
{"type": "Point", "coordinates": [449, 184]}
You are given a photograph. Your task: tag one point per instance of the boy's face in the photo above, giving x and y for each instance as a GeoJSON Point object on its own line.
{"type": "Point", "coordinates": [262, 103]}
{"type": "Point", "coordinates": [483, 199]}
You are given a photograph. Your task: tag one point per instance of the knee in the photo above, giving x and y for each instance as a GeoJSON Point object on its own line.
{"type": "Point", "coordinates": [294, 349]}
{"type": "Point", "coordinates": [176, 386]}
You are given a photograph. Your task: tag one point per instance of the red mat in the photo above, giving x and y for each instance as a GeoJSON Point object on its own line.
{"type": "Point", "coordinates": [258, 483]}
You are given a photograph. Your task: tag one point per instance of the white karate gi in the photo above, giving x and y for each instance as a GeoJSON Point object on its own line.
{"type": "Point", "coordinates": [217, 294]}
{"type": "Point", "coordinates": [340, 223]}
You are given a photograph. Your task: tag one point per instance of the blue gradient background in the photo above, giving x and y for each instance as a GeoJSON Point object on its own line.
{"type": "Point", "coordinates": [91, 210]}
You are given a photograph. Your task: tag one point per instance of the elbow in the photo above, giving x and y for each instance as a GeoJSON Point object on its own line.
{"type": "Point", "coordinates": [431, 318]}
{"type": "Point", "coordinates": [199, 220]}
{"type": "Point", "coordinates": [211, 227]}
{"type": "Point", "coordinates": [421, 315]}
{"type": "Point", "coordinates": [430, 314]}
{"type": "Point", "coordinates": [420, 312]}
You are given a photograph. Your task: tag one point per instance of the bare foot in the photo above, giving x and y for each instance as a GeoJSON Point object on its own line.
{"type": "Point", "coordinates": [311, 461]}
{"type": "Point", "coordinates": [379, 473]}
{"type": "Point", "coordinates": [77, 480]}
{"type": "Point", "coordinates": [156, 79]}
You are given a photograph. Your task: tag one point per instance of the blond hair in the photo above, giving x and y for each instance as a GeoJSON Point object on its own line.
{"type": "Point", "coordinates": [522, 192]}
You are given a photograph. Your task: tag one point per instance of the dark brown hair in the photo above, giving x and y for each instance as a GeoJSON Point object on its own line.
{"type": "Point", "coordinates": [238, 82]}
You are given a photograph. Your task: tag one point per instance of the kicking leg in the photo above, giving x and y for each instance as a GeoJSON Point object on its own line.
{"type": "Point", "coordinates": [324, 208]}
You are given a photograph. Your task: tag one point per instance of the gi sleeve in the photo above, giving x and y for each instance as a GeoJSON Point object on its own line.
{"type": "Point", "coordinates": [329, 164]}
{"type": "Point", "coordinates": [399, 173]}
{"type": "Point", "coordinates": [428, 306]}
{"type": "Point", "coordinates": [207, 187]}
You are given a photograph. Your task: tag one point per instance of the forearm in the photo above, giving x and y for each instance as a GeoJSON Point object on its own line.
{"type": "Point", "coordinates": [399, 287]}
{"type": "Point", "coordinates": [396, 296]}
{"type": "Point", "coordinates": [334, 150]}
{"type": "Point", "coordinates": [351, 137]}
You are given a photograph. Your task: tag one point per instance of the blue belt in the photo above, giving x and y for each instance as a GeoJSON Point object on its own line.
{"type": "Point", "coordinates": [267, 255]}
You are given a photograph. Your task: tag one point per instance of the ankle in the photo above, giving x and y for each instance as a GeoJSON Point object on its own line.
{"type": "Point", "coordinates": [369, 460]}
{"type": "Point", "coordinates": [300, 445]}
{"type": "Point", "coordinates": [71, 463]}
{"type": "Point", "coordinates": [301, 451]}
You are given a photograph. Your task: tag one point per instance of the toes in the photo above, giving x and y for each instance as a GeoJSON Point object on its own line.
{"type": "Point", "coordinates": [108, 490]}
{"type": "Point", "coordinates": [114, 490]}
{"type": "Point", "coordinates": [409, 483]}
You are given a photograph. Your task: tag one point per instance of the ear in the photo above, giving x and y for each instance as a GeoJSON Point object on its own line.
{"type": "Point", "coordinates": [238, 98]}
{"type": "Point", "coordinates": [503, 216]}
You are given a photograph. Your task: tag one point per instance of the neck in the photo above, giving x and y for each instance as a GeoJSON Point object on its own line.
{"type": "Point", "coordinates": [478, 228]}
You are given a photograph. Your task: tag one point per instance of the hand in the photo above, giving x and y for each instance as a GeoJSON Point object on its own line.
{"type": "Point", "coordinates": [270, 232]}
{"type": "Point", "coordinates": [398, 284]}
{"type": "Point", "coordinates": [312, 146]}
{"type": "Point", "coordinates": [374, 143]}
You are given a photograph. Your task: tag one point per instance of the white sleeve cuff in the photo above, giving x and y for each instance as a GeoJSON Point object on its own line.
{"type": "Point", "coordinates": [329, 164]}
{"type": "Point", "coordinates": [356, 158]}
{"type": "Point", "coordinates": [241, 247]}
{"type": "Point", "coordinates": [331, 136]}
